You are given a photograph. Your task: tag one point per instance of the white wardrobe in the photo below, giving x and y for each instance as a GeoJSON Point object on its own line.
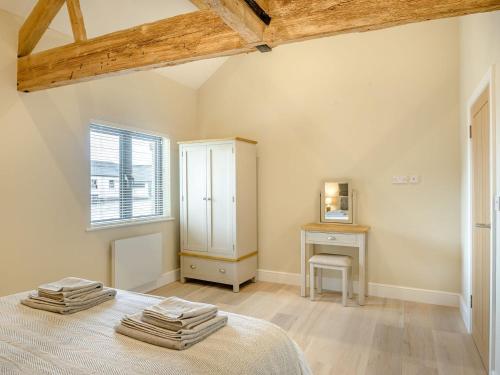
{"type": "Point", "coordinates": [218, 208]}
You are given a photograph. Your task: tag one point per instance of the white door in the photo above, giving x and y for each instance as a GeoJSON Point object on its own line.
{"type": "Point", "coordinates": [481, 230]}
{"type": "Point", "coordinates": [220, 164]}
{"type": "Point", "coordinates": [194, 197]}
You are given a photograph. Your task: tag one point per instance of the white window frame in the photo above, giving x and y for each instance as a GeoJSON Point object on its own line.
{"type": "Point", "coordinates": [167, 196]}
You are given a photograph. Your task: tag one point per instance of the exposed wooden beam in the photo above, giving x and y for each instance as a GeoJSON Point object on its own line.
{"type": "Point", "coordinates": [201, 4]}
{"type": "Point", "coordinates": [264, 4]}
{"type": "Point", "coordinates": [238, 15]}
{"type": "Point", "coordinates": [203, 34]}
{"type": "Point", "coordinates": [176, 40]}
{"type": "Point", "coordinates": [261, 12]}
{"type": "Point", "coordinates": [36, 24]}
{"type": "Point", "coordinates": [308, 19]}
{"type": "Point", "coordinates": [76, 17]}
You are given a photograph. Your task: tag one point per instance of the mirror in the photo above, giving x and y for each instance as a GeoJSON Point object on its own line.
{"type": "Point", "coordinates": [336, 202]}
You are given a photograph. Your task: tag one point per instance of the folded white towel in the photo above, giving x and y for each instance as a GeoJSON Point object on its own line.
{"type": "Point", "coordinates": [150, 334]}
{"type": "Point", "coordinates": [69, 287]}
{"type": "Point", "coordinates": [42, 303]}
{"type": "Point", "coordinates": [135, 322]}
{"type": "Point", "coordinates": [174, 309]}
{"type": "Point", "coordinates": [87, 298]}
{"type": "Point", "coordinates": [176, 326]}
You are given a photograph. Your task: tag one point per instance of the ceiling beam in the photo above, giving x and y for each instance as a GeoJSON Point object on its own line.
{"type": "Point", "coordinates": [264, 4]}
{"type": "Point", "coordinates": [36, 24]}
{"type": "Point", "coordinates": [76, 18]}
{"type": "Point", "coordinates": [238, 16]}
{"type": "Point", "coordinates": [308, 19]}
{"type": "Point", "coordinates": [176, 40]}
{"type": "Point", "coordinates": [200, 35]}
{"type": "Point", "coordinates": [201, 4]}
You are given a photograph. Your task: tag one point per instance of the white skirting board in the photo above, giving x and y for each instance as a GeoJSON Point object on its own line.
{"type": "Point", "coordinates": [465, 313]}
{"type": "Point", "coordinates": [435, 297]}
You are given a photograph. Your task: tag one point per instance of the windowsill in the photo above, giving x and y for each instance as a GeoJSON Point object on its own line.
{"type": "Point", "coordinates": [128, 223]}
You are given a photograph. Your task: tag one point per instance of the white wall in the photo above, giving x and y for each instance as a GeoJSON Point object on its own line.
{"type": "Point", "coordinates": [44, 166]}
{"type": "Point", "coordinates": [479, 50]}
{"type": "Point", "coordinates": [362, 106]}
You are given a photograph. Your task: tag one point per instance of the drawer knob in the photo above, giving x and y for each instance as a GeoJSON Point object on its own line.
{"type": "Point", "coordinates": [331, 238]}
{"type": "Point", "coordinates": [222, 270]}
{"type": "Point", "coordinates": [193, 267]}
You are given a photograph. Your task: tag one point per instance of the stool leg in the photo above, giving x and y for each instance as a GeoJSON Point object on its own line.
{"type": "Point", "coordinates": [344, 286]}
{"type": "Point", "coordinates": [319, 271]}
{"type": "Point", "coordinates": [350, 282]}
{"type": "Point", "coordinates": [311, 282]}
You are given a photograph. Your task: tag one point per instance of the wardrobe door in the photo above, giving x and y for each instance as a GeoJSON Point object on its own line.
{"type": "Point", "coordinates": [194, 199]}
{"type": "Point", "coordinates": [221, 171]}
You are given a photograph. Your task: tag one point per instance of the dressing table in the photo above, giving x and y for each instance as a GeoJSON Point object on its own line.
{"type": "Point", "coordinates": [349, 235]}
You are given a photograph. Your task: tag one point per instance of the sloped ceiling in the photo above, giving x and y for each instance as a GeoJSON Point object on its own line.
{"type": "Point", "coordinates": [105, 16]}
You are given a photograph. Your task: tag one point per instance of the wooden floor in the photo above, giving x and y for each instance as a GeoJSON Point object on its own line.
{"type": "Point", "coordinates": [383, 337]}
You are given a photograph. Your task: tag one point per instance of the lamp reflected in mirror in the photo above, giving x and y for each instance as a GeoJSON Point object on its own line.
{"type": "Point", "coordinates": [336, 202]}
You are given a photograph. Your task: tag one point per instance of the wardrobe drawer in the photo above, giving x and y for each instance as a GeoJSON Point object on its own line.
{"type": "Point", "coordinates": [341, 239]}
{"type": "Point", "coordinates": [207, 269]}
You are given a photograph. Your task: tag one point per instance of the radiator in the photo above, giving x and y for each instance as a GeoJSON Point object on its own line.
{"type": "Point", "coordinates": [136, 261]}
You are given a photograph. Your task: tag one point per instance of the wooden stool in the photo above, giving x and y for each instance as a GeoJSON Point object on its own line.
{"type": "Point", "coordinates": [341, 263]}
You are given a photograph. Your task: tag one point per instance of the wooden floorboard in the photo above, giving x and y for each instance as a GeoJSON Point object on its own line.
{"type": "Point", "coordinates": [383, 337]}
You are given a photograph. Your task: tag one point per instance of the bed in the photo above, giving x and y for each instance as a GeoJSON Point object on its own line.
{"type": "Point", "coordinates": [38, 342]}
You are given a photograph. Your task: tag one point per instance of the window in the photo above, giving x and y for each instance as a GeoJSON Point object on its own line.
{"type": "Point", "coordinates": [129, 176]}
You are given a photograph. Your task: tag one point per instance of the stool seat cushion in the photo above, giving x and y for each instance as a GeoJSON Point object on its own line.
{"type": "Point", "coordinates": [331, 260]}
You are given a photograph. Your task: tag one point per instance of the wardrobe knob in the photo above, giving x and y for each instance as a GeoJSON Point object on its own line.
{"type": "Point", "coordinates": [193, 267]}
{"type": "Point", "coordinates": [331, 238]}
{"type": "Point", "coordinates": [222, 270]}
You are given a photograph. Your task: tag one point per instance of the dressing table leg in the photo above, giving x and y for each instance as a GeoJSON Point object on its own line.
{"type": "Point", "coordinates": [320, 280]}
{"type": "Point", "coordinates": [344, 286]}
{"type": "Point", "coordinates": [366, 264]}
{"type": "Point", "coordinates": [311, 282]}
{"type": "Point", "coordinates": [349, 277]}
{"type": "Point", "coordinates": [303, 261]}
{"type": "Point", "coordinates": [362, 270]}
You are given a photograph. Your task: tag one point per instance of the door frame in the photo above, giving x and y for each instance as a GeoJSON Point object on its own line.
{"type": "Point", "coordinates": [487, 81]}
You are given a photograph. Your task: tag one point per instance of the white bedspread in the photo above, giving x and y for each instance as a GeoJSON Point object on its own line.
{"type": "Point", "coordinates": [38, 342]}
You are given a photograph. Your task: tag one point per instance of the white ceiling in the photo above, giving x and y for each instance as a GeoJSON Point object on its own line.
{"type": "Point", "coordinates": [105, 16]}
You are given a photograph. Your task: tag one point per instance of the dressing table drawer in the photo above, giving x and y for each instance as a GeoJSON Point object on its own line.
{"type": "Point", "coordinates": [341, 239]}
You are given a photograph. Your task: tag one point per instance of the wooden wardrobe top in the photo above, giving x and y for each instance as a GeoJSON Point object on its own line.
{"type": "Point", "coordinates": [220, 140]}
{"type": "Point", "coordinates": [335, 227]}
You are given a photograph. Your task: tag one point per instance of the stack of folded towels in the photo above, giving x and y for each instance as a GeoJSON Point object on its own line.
{"type": "Point", "coordinates": [174, 323]}
{"type": "Point", "coordinates": [69, 295]}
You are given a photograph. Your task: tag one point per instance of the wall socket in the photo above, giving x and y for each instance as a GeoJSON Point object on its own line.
{"type": "Point", "coordinates": [403, 180]}
{"type": "Point", "coordinates": [399, 180]}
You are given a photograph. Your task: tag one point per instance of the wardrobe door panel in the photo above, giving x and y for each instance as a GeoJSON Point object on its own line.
{"type": "Point", "coordinates": [195, 198]}
{"type": "Point", "coordinates": [221, 181]}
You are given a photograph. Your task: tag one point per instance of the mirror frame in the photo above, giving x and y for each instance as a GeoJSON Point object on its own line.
{"type": "Point", "coordinates": [350, 199]}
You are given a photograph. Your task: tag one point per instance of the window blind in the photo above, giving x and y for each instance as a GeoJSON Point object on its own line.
{"type": "Point", "coordinates": [129, 178]}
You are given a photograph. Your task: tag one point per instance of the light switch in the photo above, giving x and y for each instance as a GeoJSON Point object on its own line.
{"type": "Point", "coordinates": [398, 180]}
